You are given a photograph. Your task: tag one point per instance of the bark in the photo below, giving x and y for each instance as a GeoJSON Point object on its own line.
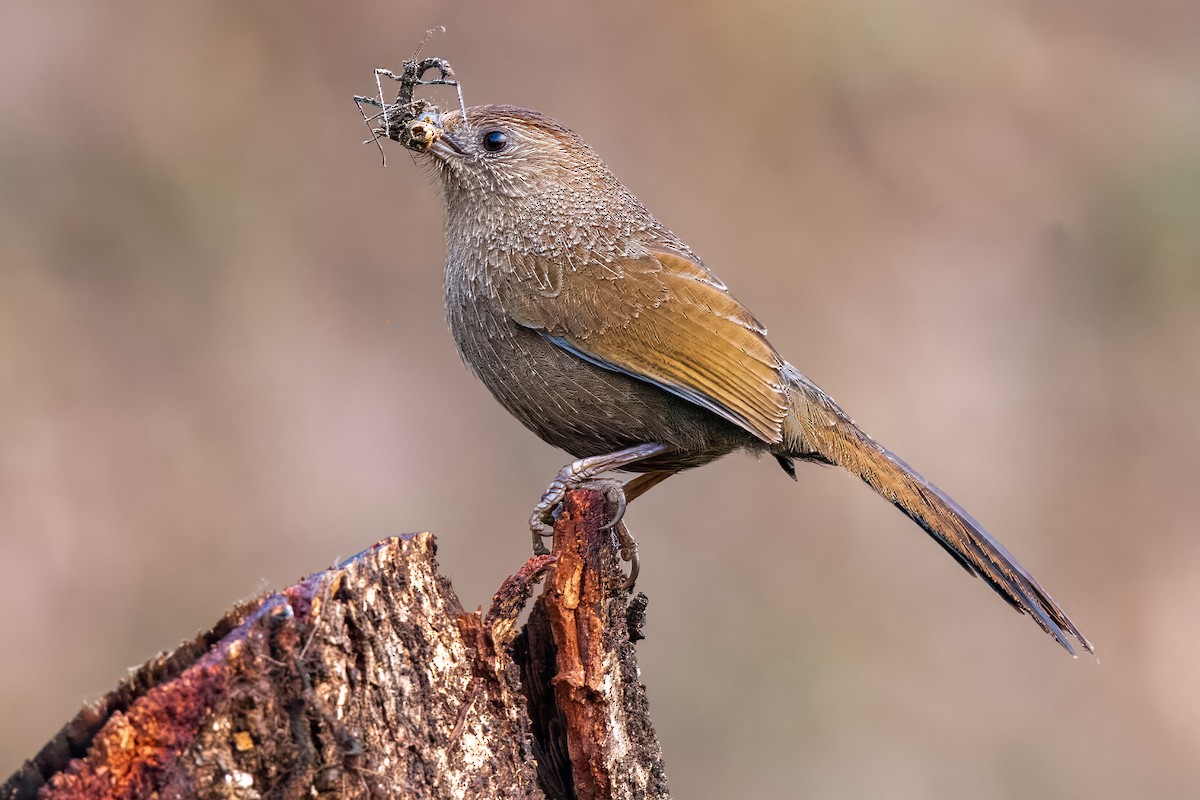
{"type": "Point", "coordinates": [369, 680]}
{"type": "Point", "coordinates": [580, 669]}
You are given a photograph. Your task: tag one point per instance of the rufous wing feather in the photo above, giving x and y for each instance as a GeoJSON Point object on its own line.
{"type": "Point", "coordinates": [661, 318]}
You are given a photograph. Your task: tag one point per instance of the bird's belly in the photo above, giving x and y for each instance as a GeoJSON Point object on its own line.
{"type": "Point", "coordinates": [585, 409]}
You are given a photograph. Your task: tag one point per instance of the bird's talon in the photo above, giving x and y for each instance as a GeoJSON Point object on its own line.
{"type": "Point", "coordinates": [629, 552]}
{"type": "Point", "coordinates": [541, 528]}
{"type": "Point", "coordinates": [614, 493]}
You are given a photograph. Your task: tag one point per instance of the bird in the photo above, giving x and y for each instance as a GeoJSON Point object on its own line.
{"type": "Point", "coordinates": [603, 333]}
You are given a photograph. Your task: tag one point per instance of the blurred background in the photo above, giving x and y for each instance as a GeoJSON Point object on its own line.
{"type": "Point", "coordinates": [224, 361]}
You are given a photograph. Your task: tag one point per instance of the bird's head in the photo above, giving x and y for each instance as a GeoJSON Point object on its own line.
{"type": "Point", "coordinates": [506, 154]}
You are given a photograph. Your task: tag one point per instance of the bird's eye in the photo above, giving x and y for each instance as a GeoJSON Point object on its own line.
{"type": "Point", "coordinates": [495, 141]}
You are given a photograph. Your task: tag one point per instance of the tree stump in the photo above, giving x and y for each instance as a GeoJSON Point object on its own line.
{"type": "Point", "coordinates": [369, 680]}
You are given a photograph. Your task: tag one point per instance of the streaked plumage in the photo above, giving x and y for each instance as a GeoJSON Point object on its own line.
{"type": "Point", "coordinates": [600, 330]}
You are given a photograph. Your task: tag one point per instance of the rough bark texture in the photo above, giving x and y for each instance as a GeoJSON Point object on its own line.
{"type": "Point", "coordinates": [589, 710]}
{"type": "Point", "coordinates": [370, 680]}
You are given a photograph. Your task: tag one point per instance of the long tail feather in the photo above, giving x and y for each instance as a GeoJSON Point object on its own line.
{"type": "Point", "coordinates": [816, 428]}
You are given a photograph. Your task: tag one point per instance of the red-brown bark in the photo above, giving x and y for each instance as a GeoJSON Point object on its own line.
{"type": "Point", "coordinates": [370, 680]}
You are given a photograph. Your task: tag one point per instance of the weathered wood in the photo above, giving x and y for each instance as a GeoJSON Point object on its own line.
{"type": "Point", "coordinates": [369, 680]}
{"type": "Point", "coordinates": [589, 709]}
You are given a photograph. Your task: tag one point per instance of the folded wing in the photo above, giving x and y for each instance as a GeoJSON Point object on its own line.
{"type": "Point", "coordinates": [659, 317]}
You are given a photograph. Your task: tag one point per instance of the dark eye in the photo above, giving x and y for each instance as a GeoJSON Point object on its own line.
{"type": "Point", "coordinates": [495, 141]}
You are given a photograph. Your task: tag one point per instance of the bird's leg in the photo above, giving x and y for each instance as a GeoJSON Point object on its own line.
{"type": "Point", "coordinates": [541, 523]}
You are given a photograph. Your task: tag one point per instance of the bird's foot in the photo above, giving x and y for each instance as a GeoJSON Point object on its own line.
{"type": "Point", "coordinates": [614, 494]}
{"type": "Point", "coordinates": [545, 512]}
{"type": "Point", "coordinates": [577, 474]}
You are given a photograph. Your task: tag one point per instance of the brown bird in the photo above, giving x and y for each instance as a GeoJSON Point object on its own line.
{"type": "Point", "coordinates": [604, 334]}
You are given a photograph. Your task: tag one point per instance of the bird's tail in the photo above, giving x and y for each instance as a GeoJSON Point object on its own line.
{"type": "Point", "coordinates": [817, 429]}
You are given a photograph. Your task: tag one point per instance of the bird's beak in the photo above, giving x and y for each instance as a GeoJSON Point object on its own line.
{"type": "Point", "coordinates": [445, 148]}
{"type": "Point", "coordinates": [425, 134]}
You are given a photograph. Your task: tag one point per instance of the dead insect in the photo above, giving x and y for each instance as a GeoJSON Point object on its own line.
{"type": "Point", "coordinates": [396, 116]}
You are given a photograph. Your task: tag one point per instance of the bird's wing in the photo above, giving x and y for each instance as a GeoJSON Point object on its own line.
{"type": "Point", "coordinates": [659, 317]}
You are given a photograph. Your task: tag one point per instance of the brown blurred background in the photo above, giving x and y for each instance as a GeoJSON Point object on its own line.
{"type": "Point", "coordinates": [224, 362]}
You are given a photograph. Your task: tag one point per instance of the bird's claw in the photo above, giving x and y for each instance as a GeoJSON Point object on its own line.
{"type": "Point", "coordinates": [582, 474]}
{"type": "Point", "coordinates": [614, 492]}
{"type": "Point", "coordinates": [541, 523]}
{"type": "Point", "coordinates": [629, 552]}
{"type": "Point", "coordinates": [540, 531]}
